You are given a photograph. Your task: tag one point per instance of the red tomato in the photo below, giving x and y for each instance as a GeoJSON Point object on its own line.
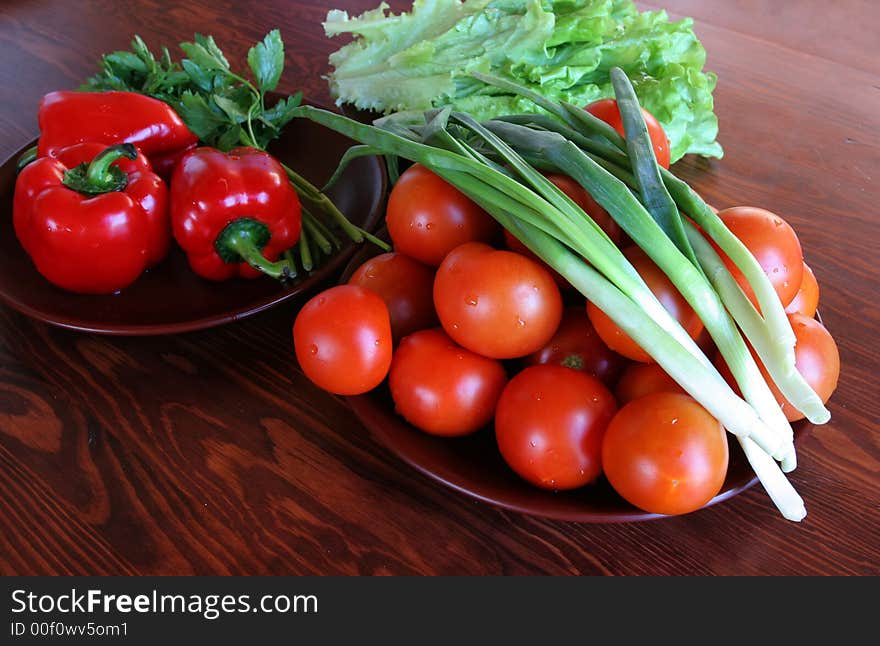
{"type": "Point", "coordinates": [496, 303]}
{"type": "Point", "coordinates": [442, 388]}
{"type": "Point", "coordinates": [549, 426]}
{"type": "Point", "coordinates": [428, 217]}
{"type": "Point", "coordinates": [576, 345]}
{"type": "Point", "coordinates": [607, 111]}
{"type": "Point", "coordinates": [342, 339]}
{"type": "Point", "coordinates": [405, 285]}
{"type": "Point", "coordinates": [806, 301]}
{"type": "Point", "coordinates": [665, 453]}
{"type": "Point", "coordinates": [664, 290]}
{"type": "Point", "coordinates": [774, 245]}
{"type": "Point", "coordinates": [642, 379]}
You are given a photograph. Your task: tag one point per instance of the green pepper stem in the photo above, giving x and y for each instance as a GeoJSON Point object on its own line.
{"type": "Point", "coordinates": [26, 158]}
{"type": "Point", "coordinates": [98, 173]}
{"type": "Point", "coordinates": [100, 176]}
{"type": "Point", "coordinates": [243, 240]}
{"type": "Point", "coordinates": [255, 258]}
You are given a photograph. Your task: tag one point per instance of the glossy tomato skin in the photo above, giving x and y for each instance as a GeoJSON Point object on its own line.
{"type": "Point", "coordinates": [496, 303]}
{"type": "Point", "coordinates": [577, 345]}
{"type": "Point", "coordinates": [773, 243]}
{"type": "Point", "coordinates": [427, 217]}
{"type": "Point", "coordinates": [442, 388]}
{"type": "Point", "coordinates": [641, 379]}
{"type": "Point", "coordinates": [342, 339]}
{"type": "Point", "coordinates": [607, 111]}
{"type": "Point", "coordinates": [665, 454]}
{"type": "Point", "coordinates": [806, 301]}
{"type": "Point", "coordinates": [406, 286]}
{"type": "Point", "coordinates": [549, 426]}
{"type": "Point", "coordinates": [666, 293]}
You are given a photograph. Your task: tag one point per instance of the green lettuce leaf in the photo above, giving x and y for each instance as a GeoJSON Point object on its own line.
{"type": "Point", "coordinates": [563, 49]}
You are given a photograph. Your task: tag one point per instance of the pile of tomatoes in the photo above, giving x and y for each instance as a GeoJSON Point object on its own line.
{"type": "Point", "coordinates": [468, 327]}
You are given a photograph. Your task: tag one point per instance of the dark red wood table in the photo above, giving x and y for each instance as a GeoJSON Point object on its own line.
{"type": "Point", "coordinates": [209, 452]}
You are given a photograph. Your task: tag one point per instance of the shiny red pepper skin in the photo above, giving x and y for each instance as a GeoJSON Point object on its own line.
{"type": "Point", "coordinates": [147, 189]}
{"type": "Point", "coordinates": [90, 244]}
{"type": "Point", "coordinates": [108, 118]}
{"type": "Point", "coordinates": [211, 189]}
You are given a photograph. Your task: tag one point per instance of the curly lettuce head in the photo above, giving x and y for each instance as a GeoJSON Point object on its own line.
{"type": "Point", "coordinates": [563, 49]}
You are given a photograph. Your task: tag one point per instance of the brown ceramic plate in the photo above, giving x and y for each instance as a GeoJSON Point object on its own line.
{"type": "Point", "coordinates": [170, 298]}
{"type": "Point", "coordinates": [473, 466]}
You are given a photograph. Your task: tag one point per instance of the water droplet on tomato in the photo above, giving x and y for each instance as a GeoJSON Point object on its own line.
{"type": "Point", "coordinates": [472, 301]}
{"type": "Point", "coordinates": [674, 420]}
{"type": "Point", "coordinates": [313, 349]}
{"type": "Point", "coordinates": [429, 226]}
{"type": "Point", "coordinates": [520, 322]}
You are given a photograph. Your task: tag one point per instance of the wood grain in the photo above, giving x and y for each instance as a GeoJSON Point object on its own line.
{"type": "Point", "coordinates": [210, 453]}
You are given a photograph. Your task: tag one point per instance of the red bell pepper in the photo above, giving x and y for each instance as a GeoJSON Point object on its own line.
{"type": "Point", "coordinates": [234, 213]}
{"type": "Point", "coordinates": [92, 227]}
{"type": "Point", "coordinates": [109, 118]}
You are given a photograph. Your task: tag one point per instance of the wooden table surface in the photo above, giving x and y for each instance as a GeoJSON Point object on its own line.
{"type": "Point", "coordinates": [209, 452]}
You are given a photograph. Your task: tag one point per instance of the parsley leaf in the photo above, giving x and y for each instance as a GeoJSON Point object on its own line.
{"type": "Point", "coordinates": [266, 60]}
{"type": "Point", "coordinates": [223, 108]}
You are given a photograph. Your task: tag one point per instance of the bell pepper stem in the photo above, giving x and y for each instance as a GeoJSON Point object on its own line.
{"type": "Point", "coordinates": [100, 176]}
{"type": "Point", "coordinates": [243, 241]}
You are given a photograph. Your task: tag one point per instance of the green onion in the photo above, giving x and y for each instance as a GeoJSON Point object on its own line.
{"type": "Point", "coordinates": [790, 382]}
{"type": "Point", "coordinates": [686, 199]}
{"type": "Point", "coordinates": [771, 307]}
{"type": "Point", "coordinates": [644, 164]}
{"type": "Point", "coordinates": [615, 197]}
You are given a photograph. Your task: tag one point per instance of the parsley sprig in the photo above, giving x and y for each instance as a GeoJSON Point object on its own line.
{"type": "Point", "coordinates": [225, 109]}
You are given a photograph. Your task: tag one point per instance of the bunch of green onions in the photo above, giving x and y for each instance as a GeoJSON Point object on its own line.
{"type": "Point", "coordinates": [497, 163]}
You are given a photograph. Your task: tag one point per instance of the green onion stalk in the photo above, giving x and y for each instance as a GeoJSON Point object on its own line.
{"type": "Point", "coordinates": [771, 335]}
{"type": "Point", "coordinates": [561, 234]}
{"type": "Point", "coordinates": [687, 277]}
{"type": "Point", "coordinates": [570, 117]}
